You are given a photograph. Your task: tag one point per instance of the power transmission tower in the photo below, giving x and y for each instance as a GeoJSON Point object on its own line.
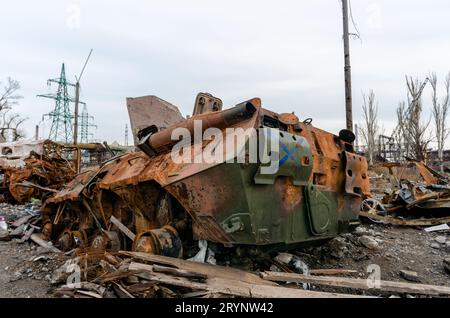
{"type": "Point", "coordinates": [61, 116]}
{"type": "Point", "coordinates": [126, 135]}
{"type": "Point", "coordinates": [86, 123]}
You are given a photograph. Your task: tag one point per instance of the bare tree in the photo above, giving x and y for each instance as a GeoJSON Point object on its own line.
{"type": "Point", "coordinates": [370, 129]}
{"type": "Point", "coordinates": [399, 134]}
{"type": "Point", "coordinates": [415, 130]}
{"type": "Point", "coordinates": [440, 113]}
{"type": "Point", "coordinates": [10, 122]}
{"type": "Point", "coordinates": [9, 96]}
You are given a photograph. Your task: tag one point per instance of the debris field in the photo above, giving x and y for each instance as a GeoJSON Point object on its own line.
{"type": "Point", "coordinates": [139, 224]}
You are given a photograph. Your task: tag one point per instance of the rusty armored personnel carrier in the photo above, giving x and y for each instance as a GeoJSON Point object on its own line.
{"type": "Point", "coordinates": [144, 201]}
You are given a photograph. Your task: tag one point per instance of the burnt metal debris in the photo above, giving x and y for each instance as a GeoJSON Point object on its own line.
{"type": "Point", "coordinates": [162, 207]}
{"type": "Point", "coordinates": [32, 169]}
{"type": "Point", "coordinates": [420, 196]}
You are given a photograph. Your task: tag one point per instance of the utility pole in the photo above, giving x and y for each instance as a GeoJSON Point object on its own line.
{"type": "Point", "coordinates": [77, 101]}
{"type": "Point", "coordinates": [347, 69]}
{"type": "Point", "coordinates": [75, 123]}
{"type": "Point", "coordinates": [75, 128]}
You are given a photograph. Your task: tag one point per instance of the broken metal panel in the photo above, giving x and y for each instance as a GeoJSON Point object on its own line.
{"type": "Point", "coordinates": [151, 110]}
{"type": "Point", "coordinates": [73, 189]}
{"type": "Point", "coordinates": [356, 178]}
{"type": "Point", "coordinates": [427, 176]}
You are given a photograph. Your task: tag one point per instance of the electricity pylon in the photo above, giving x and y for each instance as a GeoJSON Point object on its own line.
{"type": "Point", "coordinates": [86, 123]}
{"type": "Point", "coordinates": [61, 116]}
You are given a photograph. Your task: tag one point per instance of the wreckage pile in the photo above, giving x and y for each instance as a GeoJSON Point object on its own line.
{"type": "Point", "coordinates": [97, 273]}
{"type": "Point", "coordinates": [158, 211]}
{"type": "Point", "coordinates": [410, 194]}
{"type": "Point", "coordinates": [32, 169]}
{"type": "Point", "coordinates": [20, 222]}
{"type": "Point", "coordinates": [134, 274]}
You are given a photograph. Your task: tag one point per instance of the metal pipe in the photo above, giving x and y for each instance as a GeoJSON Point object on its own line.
{"type": "Point", "coordinates": [162, 141]}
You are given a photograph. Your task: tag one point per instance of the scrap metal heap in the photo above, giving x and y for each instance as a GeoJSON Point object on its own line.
{"type": "Point", "coordinates": [32, 169]}
{"type": "Point", "coordinates": [146, 202]}
{"type": "Point", "coordinates": [405, 192]}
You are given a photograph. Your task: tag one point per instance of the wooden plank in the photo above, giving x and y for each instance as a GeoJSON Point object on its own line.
{"type": "Point", "coordinates": [122, 293]}
{"type": "Point", "coordinates": [397, 221]}
{"type": "Point", "coordinates": [36, 238]}
{"type": "Point", "coordinates": [21, 221]}
{"type": "Point", "coordinates": [141, 287]}
{"type": "Point", "coordinates": [110, 277]}
{"type": "Point", "coordinates": [200, 268]}
{"type": "Point", "coordinates": [328, 272]}
{"type": "Point", "coordinates": [123, 228]}
{"type": "Point", "coordinates": [18, 231]}
{"type": "Point", "coordinates": [65, 292]}
{"type": "Point", "coordinates": [196, 294]}
{"type": "Point", "coordinates": [88, 293]}
{"type": "Point", "coordinates": [178, 272]}
{"type": "Point", "coordinates": [86, 286]}
{"type": "Point", "coordinates": [441, 227]}
{"type": "Point", "coordinates": [385, 286]}
{"type": "Point", "coordinates": [235, 287]}
{"type": "Point", "coordinates": [425, 198]}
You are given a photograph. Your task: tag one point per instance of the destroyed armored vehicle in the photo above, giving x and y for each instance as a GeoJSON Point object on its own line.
{"type": "Point", "coordinates": [149, 202]}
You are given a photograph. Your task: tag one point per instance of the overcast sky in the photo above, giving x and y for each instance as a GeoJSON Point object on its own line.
{"type": "Point", "coordinates": [289, 53]}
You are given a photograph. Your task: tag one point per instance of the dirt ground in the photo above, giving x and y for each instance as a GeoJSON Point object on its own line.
{"type": "Point", "coordinates": [397, 249]}
{"type": "Point", "coordinates": [16, 281]}
{"type": "Point", "coordinates": [25, 268]}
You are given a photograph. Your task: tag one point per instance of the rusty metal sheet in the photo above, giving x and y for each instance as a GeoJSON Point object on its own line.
{"type": "Point", "coordinates": [151, 110]}
{"type": "Point", "coordinates": [427, 176]}
{"type": "Point", "coordinates": [356, 179]}
{"type": "Point", "coordinates": [74, 188]}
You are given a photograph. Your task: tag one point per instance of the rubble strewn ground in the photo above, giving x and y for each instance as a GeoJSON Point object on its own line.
{"type": "Point", "coordinates": [403, 254]}
{"type": "Point", "coordinates": [395, 249]}
{"type": "Point", "coordinates": [32, 267]}
{"type": "Point", "coordinates": [25, 268]}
